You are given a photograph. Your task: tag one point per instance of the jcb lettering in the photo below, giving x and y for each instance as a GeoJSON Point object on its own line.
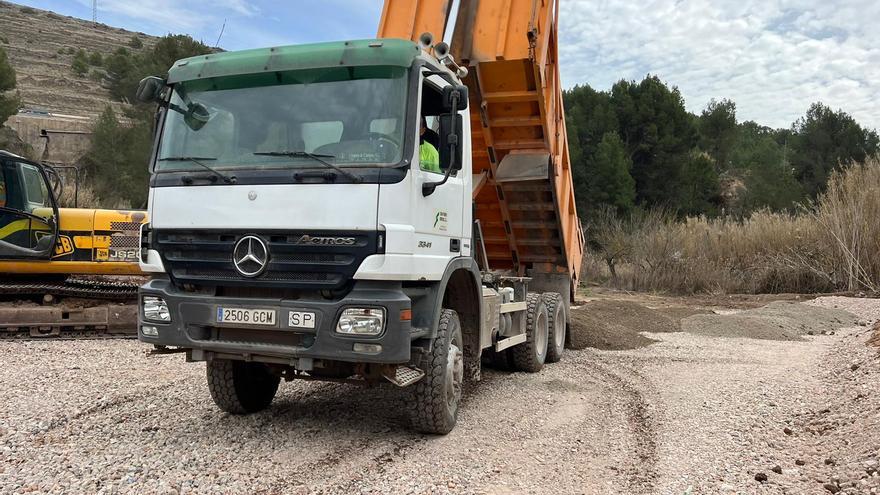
{"type": "Point", "coordinates": [63, 246]}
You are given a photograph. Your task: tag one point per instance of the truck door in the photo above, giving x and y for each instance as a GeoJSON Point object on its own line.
{"type": "Point", "coordinates": [439, 228]}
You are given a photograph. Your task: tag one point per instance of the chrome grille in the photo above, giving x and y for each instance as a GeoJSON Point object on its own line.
{"type": "Point", "coordinates": [205, 258]}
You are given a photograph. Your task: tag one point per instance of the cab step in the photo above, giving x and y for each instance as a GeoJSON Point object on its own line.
{"type": "Point", "coordinates": [404, 375]}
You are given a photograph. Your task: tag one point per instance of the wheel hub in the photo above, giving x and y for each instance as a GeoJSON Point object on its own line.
{"type": "Point", "coordinates": [454, 375]}
{"type": "Point", "coordinates": [558, 331]}
{"type": "Point", "coordinates": [541, 334]}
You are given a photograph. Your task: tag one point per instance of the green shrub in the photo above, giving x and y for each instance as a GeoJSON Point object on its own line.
{"type": "Point", "coordinates": [80, 64]}
{"type": "Point", "coordinates": [95, 58]}
{"type": "Point", "coordinates": [136, 43]}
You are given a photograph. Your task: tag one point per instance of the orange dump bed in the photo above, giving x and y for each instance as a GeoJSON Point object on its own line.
{"type": "Point", "coordinates": [523, 188]}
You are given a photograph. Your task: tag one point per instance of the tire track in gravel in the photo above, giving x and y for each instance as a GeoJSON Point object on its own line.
{"type": "Point", "coordinates": [634, 387]}
{"type": "Point", "coordinates": [377, 462]}
{"type": "Point", "coordinates": [371, 449]}
{"type": "Point", "coordinates": [103, 406]}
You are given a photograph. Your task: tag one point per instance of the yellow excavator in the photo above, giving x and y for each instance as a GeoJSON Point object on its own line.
{"type": "Point", "coordinates": [63, 271]}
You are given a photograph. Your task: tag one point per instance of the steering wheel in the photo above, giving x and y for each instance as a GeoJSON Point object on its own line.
{"type": "Point", "coordinates": [378, 137]}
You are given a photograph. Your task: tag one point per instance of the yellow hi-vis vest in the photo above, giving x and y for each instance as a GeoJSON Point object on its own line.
{"type": "Point", "coordinates": [429, 158]}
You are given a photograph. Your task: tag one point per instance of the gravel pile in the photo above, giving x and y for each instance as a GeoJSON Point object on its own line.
{"type": "Point", "coordinates": [777, 321]}
{"type": "Point", "coordinates": [616, 325]}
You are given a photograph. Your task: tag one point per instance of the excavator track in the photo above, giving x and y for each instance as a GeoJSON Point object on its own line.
{"type": "Point", "coordinates": [89, 289]}
{"type": "Point", "coordinates": [72, 309]}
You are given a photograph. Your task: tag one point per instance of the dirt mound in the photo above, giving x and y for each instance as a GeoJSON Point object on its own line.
{"type": "Point", "coordinates": [776, 321]}
{"type": "Point", "coordinates": [874, 339]}
{"type": "Point", "coordinates": [615, 325]}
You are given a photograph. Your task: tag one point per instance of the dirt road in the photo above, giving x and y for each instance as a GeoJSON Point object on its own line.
{"type": "Point", "coordinates": [689, 412]}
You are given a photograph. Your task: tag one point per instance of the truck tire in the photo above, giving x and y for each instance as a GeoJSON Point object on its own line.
{"type": "Point", "coordinates": [239, 387]}
{"type": "Point", "coordinates": [531, 354]}
{"type": "Point", "coordinates": [556, 323]}
{"type": "Point", "coordinates": [435, 400]}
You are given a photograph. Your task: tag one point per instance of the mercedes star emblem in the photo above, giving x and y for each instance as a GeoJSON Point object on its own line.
{"type": "Point", "coordinates": [250, 256]}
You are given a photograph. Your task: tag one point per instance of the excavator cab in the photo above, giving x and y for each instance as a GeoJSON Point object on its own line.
{"type": "Point", "coordinates": [28, 211]}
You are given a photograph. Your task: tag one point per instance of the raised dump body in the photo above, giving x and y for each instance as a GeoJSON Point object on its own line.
{"type": "Point", "coordinates": [523, 191]}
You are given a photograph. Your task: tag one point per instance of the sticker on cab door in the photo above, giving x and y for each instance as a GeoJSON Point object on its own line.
{"type": "Point", "coordinates": [440, 220]}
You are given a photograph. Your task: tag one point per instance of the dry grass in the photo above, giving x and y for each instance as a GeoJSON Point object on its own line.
{"type": "Point", "coordinates": [849, 217]}
{"type": "Point", "coordinates": [831, 245]}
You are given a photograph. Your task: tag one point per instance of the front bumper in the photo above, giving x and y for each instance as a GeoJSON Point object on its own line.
{"type": "Point", "coordinates": [193, 325]}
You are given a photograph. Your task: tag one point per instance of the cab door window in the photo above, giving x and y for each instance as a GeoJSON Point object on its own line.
{"type": "Point", "coordinates": [26, 210]}
{"type": "Point", "coordinates": [36, 194]}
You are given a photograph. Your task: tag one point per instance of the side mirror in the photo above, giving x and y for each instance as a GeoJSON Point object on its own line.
{"type": "Point", "coordinates": [450, 150]}
{"type": "Point", "coordinates": [150, 89]}
{"type": "Point", "coordinates": [461, 92]}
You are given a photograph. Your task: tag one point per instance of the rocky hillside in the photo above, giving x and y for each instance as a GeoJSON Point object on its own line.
{"type": "Point", "coordinates": [41, 46]}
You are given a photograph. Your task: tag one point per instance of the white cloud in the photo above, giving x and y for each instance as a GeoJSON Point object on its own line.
{"type": "Point", "coordinates": [174, 15]}
{"type": "Point", "coordinates": [773, 58]}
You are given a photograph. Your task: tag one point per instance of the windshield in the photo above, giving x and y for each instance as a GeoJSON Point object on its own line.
{"type": "Point", "coordinates": [350, 116]}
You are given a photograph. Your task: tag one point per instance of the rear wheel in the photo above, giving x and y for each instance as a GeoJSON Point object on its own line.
{"type": "Point", "coordinates": [435, 400]}
{"type": "Point", "coordinates": [239, 387]}
{"type": "Point", "coordinates": [556, 322]}
{"type": "Point", "coordinates": [531, 354]}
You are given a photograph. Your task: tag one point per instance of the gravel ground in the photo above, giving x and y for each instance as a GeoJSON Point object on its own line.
{"type": "Point", "coordinates": [689, 413]}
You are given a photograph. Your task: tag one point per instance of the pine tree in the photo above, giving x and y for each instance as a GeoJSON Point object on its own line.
{"type": "Point", "coordinates": [823, 141]}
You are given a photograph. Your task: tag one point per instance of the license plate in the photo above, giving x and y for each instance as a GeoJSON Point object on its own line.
{"type": "Point", "coordinates": [301, 319]}
{"type": "Point", "coordinates": [246, 316]}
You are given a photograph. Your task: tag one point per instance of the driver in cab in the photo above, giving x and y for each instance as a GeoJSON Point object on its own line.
{"type": "Point", "coordinates": [429, 158]}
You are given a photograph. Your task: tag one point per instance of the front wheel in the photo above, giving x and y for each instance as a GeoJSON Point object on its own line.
{"type": "Point", "coordinates": [239, 387]}
{"type": "Point", "coordinates": [435, 399]}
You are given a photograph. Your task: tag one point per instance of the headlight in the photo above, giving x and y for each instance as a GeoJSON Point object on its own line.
{"type": "Point", "coordinates": [149, 331]}
{"type": "Point", "coordinates": [361, 321]}
{"type": "Point", "coordinates": [155, 309]}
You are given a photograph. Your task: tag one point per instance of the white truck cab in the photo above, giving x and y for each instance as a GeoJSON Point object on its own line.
{"type": "Point", "coordinates": [294, 232]}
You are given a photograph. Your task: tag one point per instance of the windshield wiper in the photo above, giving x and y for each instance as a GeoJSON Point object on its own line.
{"type": "Point", "coordinates": [198, 161]}
{"type": "Point", "coordinates": [314, 156]}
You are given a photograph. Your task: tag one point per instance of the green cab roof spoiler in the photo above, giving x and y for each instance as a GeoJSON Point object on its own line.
{"type": "Point", "coordinates": [388, 52]}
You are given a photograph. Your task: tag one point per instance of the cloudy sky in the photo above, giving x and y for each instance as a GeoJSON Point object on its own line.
{"type": "Point", "coordinates": [772, 57]}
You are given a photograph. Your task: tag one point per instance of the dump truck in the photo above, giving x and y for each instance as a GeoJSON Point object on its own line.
{"type": "Point", "coordinates": [397, 209]}
{"type": "Point", "coordinates": [62, 268]}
